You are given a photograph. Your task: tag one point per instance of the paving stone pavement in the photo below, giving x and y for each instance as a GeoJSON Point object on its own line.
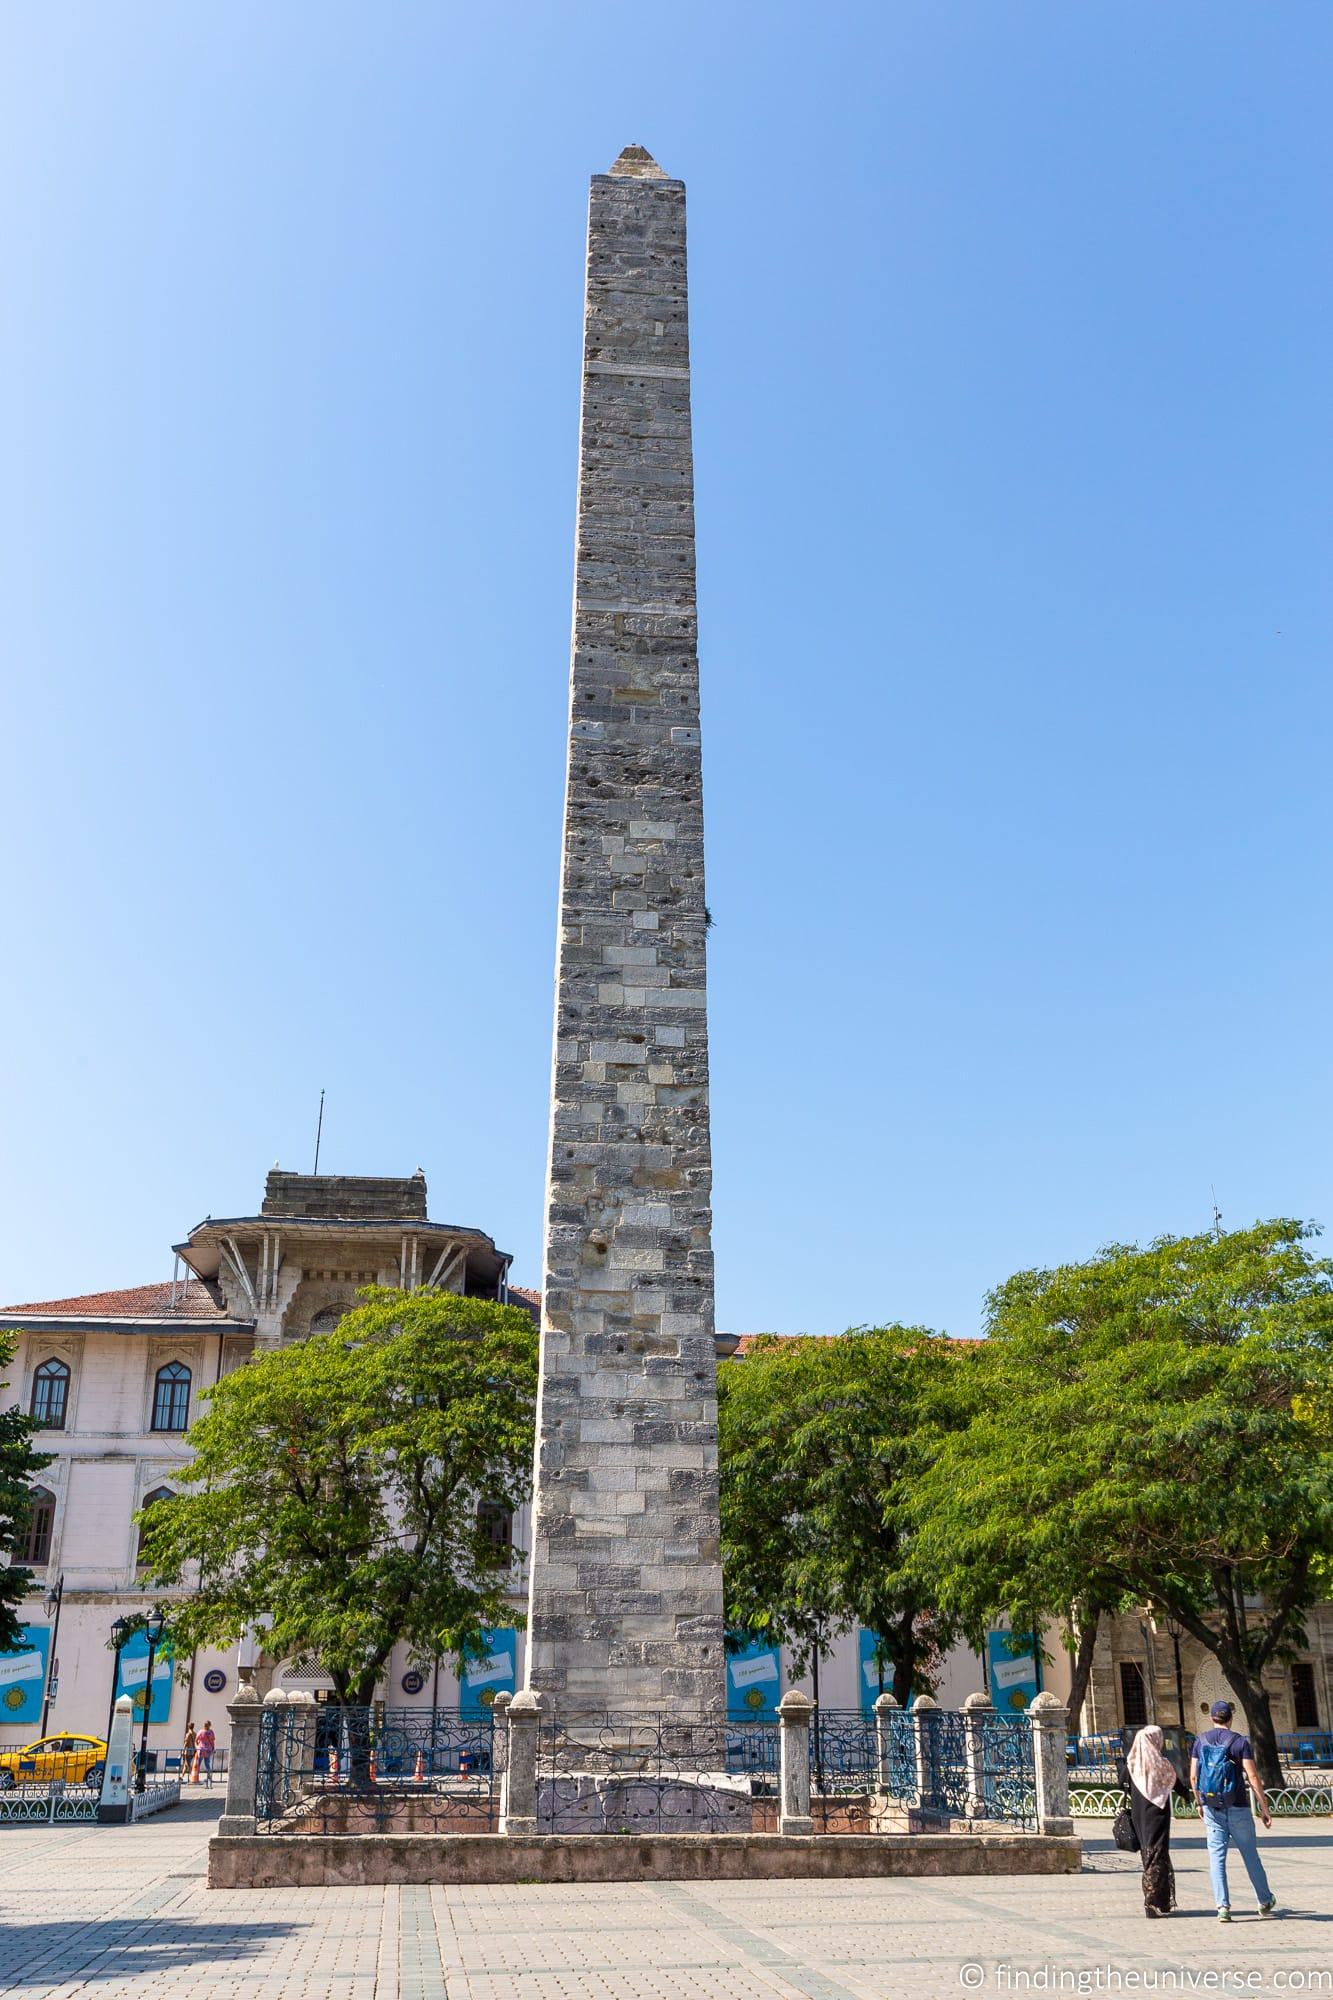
{"type": "Point", "coordinates": [119, 1911]}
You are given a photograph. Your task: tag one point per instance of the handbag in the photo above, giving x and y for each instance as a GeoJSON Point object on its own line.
{"type": "Point", "coordinates": [1122, 1831]}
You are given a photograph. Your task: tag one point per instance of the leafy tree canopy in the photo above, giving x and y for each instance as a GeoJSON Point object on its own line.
{"type": "Point", "coordinates": [1150, 1427]}
{"type": "Point", "coordinates": [819, 1441]}
{"type": "Point", "coordinates": [19, 1466]}
{"type": "Point", "coordinates": [334, 1490]}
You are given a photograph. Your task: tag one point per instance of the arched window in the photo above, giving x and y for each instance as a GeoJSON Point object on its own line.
{"type": "Point", "coordinates": [50, 1396]}
{"type": "Point", "coordinates": [496, 1524]}
{"type": "Point", "coordinates": [159, 1493]}
{"type": "Point", "coordinates": [171, 1397]}
{"type": "Point", "coordinates": [41, 1522]}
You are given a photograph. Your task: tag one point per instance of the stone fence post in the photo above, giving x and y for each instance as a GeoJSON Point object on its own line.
{"type": "Point", "coordinates": [1050, 1726]}
{"type": "Point", "coordinates": [794, 1711]}
{"type": "Point", "coordinates": [978, 1711]}
{"type": "Point", "coordinates": [886, 1707]}
{"type": "Point", "coordinates": [242, 1760]}
{"type": "Point", "coordinates": [518, 1791]}
{"type": "Point", "coordinates": [500, 1733]}
{"type": "Point", "coordinates": [923, 1706]}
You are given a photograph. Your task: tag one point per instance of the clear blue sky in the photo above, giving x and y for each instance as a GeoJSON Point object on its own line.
{"type": "Point", "coordinates": [1012, 402]}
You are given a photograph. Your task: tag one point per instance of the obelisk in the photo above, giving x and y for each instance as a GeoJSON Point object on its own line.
{"type": "Point", "coordinates": [625, 1602]}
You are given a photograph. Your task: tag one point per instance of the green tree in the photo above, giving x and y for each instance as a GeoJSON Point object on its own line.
{"type": "Point", "coordinates": [19, 1466]}
{"type": "Point", "coordinates": [819, 1441]}
{"type": "Point", "coordinates": [333, 1494]}
{"type": "Point", "coordinates": [1155, 1432]}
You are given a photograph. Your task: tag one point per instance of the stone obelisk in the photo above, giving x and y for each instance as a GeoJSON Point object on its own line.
{"type": "Point", "coordinates": [625, 1605]}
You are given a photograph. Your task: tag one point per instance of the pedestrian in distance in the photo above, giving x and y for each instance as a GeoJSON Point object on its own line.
{"type": "Point", "coordinates": [1150, 1780]}
{"type": "Point", "coordinates": [1223, 1774]}
{"type": "Point", "coordinates": [206, 1743]}
{"type": "Point", "coordinates": [188, 1753]}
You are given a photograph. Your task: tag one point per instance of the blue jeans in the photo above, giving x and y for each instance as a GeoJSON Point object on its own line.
{"type": "Point", "coordinates": [1226, 1824]}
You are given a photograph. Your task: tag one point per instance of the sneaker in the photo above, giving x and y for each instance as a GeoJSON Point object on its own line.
{"type": "Point", "coordinates": [1224, 1916]}
{"type": "Point", "coordinates": [1268, 1909]}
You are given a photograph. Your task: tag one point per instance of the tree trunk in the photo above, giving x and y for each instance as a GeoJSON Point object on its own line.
{"type": "Point", "coordinates": [1081, 1671]}
{"type": "Point", "coordinates": [1259, 1715]}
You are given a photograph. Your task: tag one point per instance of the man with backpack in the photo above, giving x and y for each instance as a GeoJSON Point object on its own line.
{"type": "Point", "coordinates": [1223, 1773]}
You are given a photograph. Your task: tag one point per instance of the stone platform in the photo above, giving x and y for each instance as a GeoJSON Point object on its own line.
{"type": "Point", "coordinates": [313, 1861]}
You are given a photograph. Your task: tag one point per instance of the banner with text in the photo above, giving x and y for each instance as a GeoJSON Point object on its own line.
{"type": "Point", "coordinates": [754, 1682]}
{"type": "Point", "coordinates": [23, 1676]}
{"type": "Point", "coordinates": [482, 1679]}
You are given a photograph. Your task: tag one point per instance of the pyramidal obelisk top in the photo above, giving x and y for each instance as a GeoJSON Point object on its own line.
{"type": "Point", "coordinates": [625, 1605]}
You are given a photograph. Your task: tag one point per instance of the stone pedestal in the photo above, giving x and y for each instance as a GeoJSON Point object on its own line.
{"type": "Point", "coordinates": [242, 1761]}
{"type": "Point", "coordinates": [518, 1787]}
{"type": "Point", "coordinates": [1049, 1722]}
{"type": "Point", "coordinates": [794, 1712]}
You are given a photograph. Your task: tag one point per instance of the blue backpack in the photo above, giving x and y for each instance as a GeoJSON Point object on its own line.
{"type": "Point", "coordinates": [1215, 1773]}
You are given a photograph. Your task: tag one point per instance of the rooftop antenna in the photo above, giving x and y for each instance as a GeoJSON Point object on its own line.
{"type": "Point", "coordinates": [319, 1129]}
{"type": "Point", "coordinates": [1217, 1215]}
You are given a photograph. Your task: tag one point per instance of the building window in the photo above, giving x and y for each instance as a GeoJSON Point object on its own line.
{"type": "Point", "coordinates": [496, 1524]}
{"type": "Point", "coordinates": [1133, 1695]}
{"type": "Point", "coordinates": [171, 1397]}
{"type": "Point", "coordinates": [158, 1493]}
{"type": "Point", "coordinates": [41, 1522]}
{"type": "Point", "coordinates": [1303, 1694]}
{"type": "Point", "coordinates": [50, 1396]}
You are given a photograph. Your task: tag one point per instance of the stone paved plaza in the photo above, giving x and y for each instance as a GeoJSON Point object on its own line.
{"type": "Point", "coordinates": [119, 1911]}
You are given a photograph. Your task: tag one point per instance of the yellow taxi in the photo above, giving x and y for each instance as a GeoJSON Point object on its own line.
{"type": "Point", "coordinates": [77, 1760]}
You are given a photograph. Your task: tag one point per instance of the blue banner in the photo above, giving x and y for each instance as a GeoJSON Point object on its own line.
{"type": "Point", "coordinates": [870, 1673]}
{"type": "Point", "coordinates": [1012, 1659]}
{"type": "Point", "coordinates": [133, 1676]}
{"type": "Point", "coordinates": [482, 1679]}
{"type": "Point", "coordinates": [754, 1682]}
{"type": "Point", "coordinates": [23, 1676]}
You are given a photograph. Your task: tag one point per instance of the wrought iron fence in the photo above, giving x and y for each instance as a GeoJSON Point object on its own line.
{"type": "Point", "coordinates": [844, 1770]}
{"type": "Point", "coordinates": [373, 1770]}
{"type": "Point", "coordinates": [1284, 1802]}
{"type": "Point", "coordinates": [949, 1766]}
{"type": "Point", "coordinates": [648, 1771]}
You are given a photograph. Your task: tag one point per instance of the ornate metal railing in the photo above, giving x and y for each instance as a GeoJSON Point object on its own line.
{"type": "Point", "coordinates": [844, 1770]}
{"type": "Point", "coordinates": [951, 1767]}
{"type": "Point", "coordinates": [648, 1771]}
{"type": "Point", "coordinates": [1285, 1802]}
{"type": "Point", "coordinates": [371, 1770]}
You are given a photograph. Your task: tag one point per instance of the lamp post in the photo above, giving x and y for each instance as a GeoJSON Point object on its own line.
{"type": "Point", "coordinates": [1174, 1629]}
{"type": "Point", "coordinates": [120, 1632]}
{"type": "Point", "coordinates": [153, 1631]}
{"type": "Point", "coordinates": [54, 1599]}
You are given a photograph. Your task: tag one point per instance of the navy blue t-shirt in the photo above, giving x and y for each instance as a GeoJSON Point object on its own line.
{"type": "Point", "coordinates": [1237, 1749]}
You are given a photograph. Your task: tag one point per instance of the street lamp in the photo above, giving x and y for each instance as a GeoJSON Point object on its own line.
{"type": "Point", "coordinates": [153, 1630]}
{"type": "Point", "coordinates": [54, 1599]}
{"type": "Point", "coordinates": [120, 1633]}
{"type": "Point", "coordinates": [1174, 1629]}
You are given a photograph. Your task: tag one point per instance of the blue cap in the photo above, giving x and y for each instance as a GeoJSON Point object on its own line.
{"type": "Point", "coordinates": [1221, 1711]}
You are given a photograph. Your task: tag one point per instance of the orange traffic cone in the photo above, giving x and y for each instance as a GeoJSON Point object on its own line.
{"type": "Point", "coordinates": [420, 1771]}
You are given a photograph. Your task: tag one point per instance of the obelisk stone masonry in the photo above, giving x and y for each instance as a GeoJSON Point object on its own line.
{"type": "Point", "coordinates": [625, 1608]}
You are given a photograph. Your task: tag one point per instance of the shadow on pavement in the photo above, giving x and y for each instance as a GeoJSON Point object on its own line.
{"type": "Point", "coordinates": [133, 1947]}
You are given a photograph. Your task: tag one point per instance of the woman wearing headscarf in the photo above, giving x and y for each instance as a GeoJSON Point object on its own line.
{"type": "Point", "coordinates": [1150, 1779]}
